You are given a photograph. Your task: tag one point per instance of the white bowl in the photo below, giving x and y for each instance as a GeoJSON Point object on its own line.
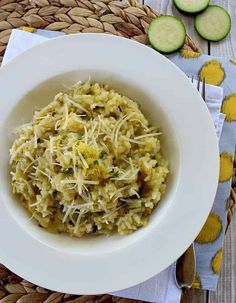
{"type": "Point", "coordinates": [105, 264]}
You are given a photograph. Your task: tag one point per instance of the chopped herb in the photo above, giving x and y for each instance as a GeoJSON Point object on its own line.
{"type": "Point", "coordinates": [115, 175]}
{"type": "Point", "coordinates": [120, 109]}
{"type": "Point", "coordinates": [102, 154]}
{"type": "Point", "coordinates": [95, 162]}
{"type": "Point", "coordinates": [79, 136]}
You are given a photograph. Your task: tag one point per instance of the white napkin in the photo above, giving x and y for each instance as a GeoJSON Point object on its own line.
{"type": "Point", "coordinates": [20, 41]}
{"type": "Point", "coordinates": [214, 98]}
{"type": "Point", "coordinates": [161, 288]}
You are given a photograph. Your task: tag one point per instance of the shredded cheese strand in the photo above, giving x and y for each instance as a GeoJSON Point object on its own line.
{"type": "Point", "coordinates": [79, 106]}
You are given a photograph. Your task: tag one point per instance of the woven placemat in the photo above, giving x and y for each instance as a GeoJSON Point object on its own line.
{"type": "Point", "coordinates": [123, 18]}
{"type": "Point", "coordinates": [127, 18]}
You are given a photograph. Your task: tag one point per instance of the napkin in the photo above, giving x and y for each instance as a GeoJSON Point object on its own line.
{"type": "Point", "coordinates": [209, 244]}
{"type": "Point", "coordinates": [161, 288]}
{"type": "Point", "coordinates": [214, 98]}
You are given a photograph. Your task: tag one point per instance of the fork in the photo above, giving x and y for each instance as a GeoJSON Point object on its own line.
{"type": "Point", "coordinates": [186, 264]}
{"type": "Point", "coordinates": [203, 91]}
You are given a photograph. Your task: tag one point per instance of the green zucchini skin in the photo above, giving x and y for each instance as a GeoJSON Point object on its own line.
{"type": "Point", "coordinates": [203, 20]}
{"type": "Point", "coordinates": [190, 10]}
{"type": "Point", "coordinates": [159, 35]}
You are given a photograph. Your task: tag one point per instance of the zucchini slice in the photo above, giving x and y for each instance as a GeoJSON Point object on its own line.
{"type": "Point", "coordinates": [191, 6]}
{"type": "Point", "coordinates": [213, 24]}
{"type": "Point", "coordinates": [166, 34]}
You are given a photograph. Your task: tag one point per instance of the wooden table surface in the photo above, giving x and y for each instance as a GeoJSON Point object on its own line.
{"type": "Point", "coordinates": [226, 291]}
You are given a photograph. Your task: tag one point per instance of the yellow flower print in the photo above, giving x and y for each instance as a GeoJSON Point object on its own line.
{"type": "Point", "coordinates": [216, 261]}
{"type": "Point", "coordinates": [226, 166]}
{"type": "Point", "coordinates": [229, 107]}
{"type": "Point", "coordinates": [233, 61]}
{"type": "Point", "coordinates": [213, 72]}
{"type": "Point", "coordinates": [211, 229]}
{"type": "Point", "coordinates": [27, 29]}
{"type": "Point", "coordinates": [197, 281]}
{"type": "Point", "coordinates": [188, 54]}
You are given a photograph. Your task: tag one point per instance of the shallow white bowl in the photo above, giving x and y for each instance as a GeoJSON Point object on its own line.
{"type": "Point", "coordinates": [105, 264]}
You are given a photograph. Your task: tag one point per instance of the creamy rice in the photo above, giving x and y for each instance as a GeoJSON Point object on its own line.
{"type": "Point", "coordinates": [89, 163]}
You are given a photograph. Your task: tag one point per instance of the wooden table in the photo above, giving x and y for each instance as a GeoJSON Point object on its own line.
{"type": "Point", "coordinates": [226, 292]}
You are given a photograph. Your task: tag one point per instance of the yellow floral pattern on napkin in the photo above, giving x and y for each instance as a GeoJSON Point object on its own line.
{"type": "Point", "coordinates": [211, 229]}
{"type": "Point", "coordinates": [197, 281]}
{"type": "Point", "coordinates": [189, 54]}
{"type": "Point", "coordinates": [226, 166]}
{"type": "Point", "coordinates": [209, 243]}
{"type": "Point", "coordinates": [216, 261]}
{"type": "Point", "coordinates": [28, 29]}
{"type": "Point", "coordinates": [213, 72]}
{"type": "Point", "coordinates": [229, 107]}
{"type": "Point", "coordinates": [233, 61]}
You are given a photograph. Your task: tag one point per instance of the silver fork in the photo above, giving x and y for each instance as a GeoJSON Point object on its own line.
{"type": "Point", "coordinates": [186, 264]}
{"type": "Point", "coordinates": [203, 91]}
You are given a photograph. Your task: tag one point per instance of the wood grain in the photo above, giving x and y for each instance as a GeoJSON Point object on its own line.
{"type": "Point", "coordinates": [195, 296]}
{"type": "Point", "coordinates": [226, 47]}
{"type": "Point", "coordinates": [226, 291]}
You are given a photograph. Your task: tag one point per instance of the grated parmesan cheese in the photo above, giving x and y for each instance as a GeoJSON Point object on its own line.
{"type": "Point", "coordinates": [85, 165]}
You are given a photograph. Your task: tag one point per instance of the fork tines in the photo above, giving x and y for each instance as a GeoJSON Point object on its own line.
{"type": "Point", "coordinates": [199, 82]}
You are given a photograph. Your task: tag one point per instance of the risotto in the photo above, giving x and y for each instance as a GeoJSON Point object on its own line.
{"type": "Point", "coordinates": [89, 163]}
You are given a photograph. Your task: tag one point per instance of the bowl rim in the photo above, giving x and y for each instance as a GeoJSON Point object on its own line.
{"type": "Point", "coordinates": [25, 265]}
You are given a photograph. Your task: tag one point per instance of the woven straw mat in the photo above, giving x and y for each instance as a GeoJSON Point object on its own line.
{"type": "Point", "coordinates": [123, 18]}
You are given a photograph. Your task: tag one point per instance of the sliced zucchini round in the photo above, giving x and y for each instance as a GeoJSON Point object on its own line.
{"type": "Point", "coordinates": [166, 34]}
{"type": "Point", "coordinates": [191, 6]}
{"type": "Point", "coordinates": [213, 24]}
